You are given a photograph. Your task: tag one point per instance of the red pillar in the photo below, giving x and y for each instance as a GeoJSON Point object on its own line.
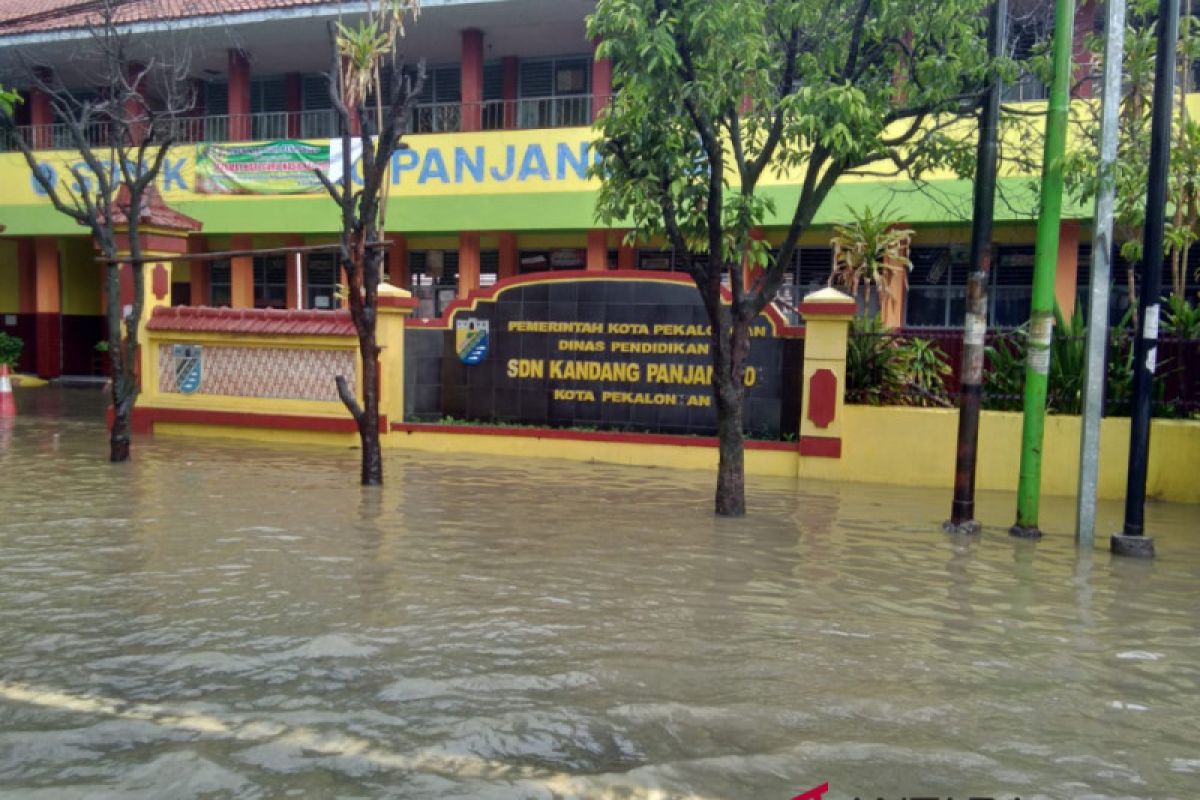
{"type": "Point", "coordinates": [294, 92]}
{"type": "Point", "coordinates": [601, 83]}
{"type": "Point", "coordinates": [1085, 23]}
{"type": "Point", "coordinates": [397, 268]}
{"type": "Point", "coordinates": [626, 255]}
{"type": "Point", "coordinates": [597, 249]}
{"type": "Point", "coordinates": [239, 96]}
{"type": "Point", "coordinates": [135, 106]}
{"type": "Point", "coordinates": [508, 92]}
{"type": "Point", "coordinates": [241, 273]}
{"type": "Point", "coordinates": [472, 79]}
{"type": "Point", "coordinates": [468, 262]}
{"type": "Point", "coordinates": [47, 308]}
{"type": "Point", "coordinates": [508, 255]}
{"type": "Point", "coordinates": [41, 117]}
{"type": "Point", "coordinates": [201, 285]}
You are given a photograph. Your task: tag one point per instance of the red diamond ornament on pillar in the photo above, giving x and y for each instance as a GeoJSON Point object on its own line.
{"type": "Point", "coordinates": [822, 397]}
{"type": "Point", "coordinates": [159, 282]}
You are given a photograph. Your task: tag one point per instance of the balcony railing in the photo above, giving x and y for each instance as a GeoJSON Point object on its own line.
{"type": "Point", "coordinates": [490, 115]}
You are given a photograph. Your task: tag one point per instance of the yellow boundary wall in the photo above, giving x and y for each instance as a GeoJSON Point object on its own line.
{"type": "Point", "coordinates": [887, 445]}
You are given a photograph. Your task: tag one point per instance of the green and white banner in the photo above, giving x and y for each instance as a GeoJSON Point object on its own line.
{"type": "Point", "coordinates": [281, 167]}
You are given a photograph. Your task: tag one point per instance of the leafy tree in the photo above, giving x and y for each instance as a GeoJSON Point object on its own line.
{"type": "Point", "coordinates": [8, 99]}
{"type": "Point", "coordinates": [712, 95]}
{"type": "Point", "coordinates": [1133, 144]}
{"type": "Point", "coordinates": [356, 88]}
{"type": "Point", "coordinates": [122, 132]}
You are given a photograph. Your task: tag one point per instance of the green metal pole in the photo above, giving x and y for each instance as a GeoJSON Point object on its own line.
{"type": "Point", "coordinates": [1045, 260]}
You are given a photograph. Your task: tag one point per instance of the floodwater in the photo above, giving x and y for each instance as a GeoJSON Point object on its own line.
{"type": "Point", "coordinates": [220, 619]}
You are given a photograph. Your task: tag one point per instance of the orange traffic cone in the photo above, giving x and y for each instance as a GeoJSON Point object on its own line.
{"type": "Point", "coordinates": [8, 406]}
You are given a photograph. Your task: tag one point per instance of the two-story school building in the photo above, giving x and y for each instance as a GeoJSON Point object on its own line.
{"type": "Point", "coordinates": [493, 184]}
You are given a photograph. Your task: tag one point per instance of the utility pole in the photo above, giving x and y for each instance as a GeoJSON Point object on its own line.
{"type": "Point", "coordinates": [1045, 262]}
{"type": "Point", "coordinates": [1102, 243]}
{"type": "Point", "coordinates": [962, 510]}
{"type": "Point", "coordinates": [1132, 541]}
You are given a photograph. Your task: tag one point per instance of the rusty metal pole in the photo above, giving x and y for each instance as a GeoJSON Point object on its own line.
{"type": "Point", "coordinates": [962, 510]}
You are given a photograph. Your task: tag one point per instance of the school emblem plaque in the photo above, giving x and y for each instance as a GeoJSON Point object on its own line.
{"type": "Point", "coordinates": [189, 367]}
{"type": "Point", "coordinates": [471, 339]}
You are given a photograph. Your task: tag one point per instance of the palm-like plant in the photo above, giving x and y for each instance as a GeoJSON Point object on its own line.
{"type": "Point", "coordinates": [363, 49]}
{"type": "Point", "coordinates": [868, 252]}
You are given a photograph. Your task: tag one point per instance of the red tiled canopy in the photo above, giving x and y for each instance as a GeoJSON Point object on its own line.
{"type": "Point", "coordinates": [29, 16]}
{"type": "Point", "coordinates": [253, 321]}
{"type": "Point", "coordinates": [154, 211]}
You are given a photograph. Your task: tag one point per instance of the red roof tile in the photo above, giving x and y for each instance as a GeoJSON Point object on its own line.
{"type": "Point", "coordinates": [155, 211]}
{"type": "Point", "coordinates": [28, 16]}
{"type": "Point", "coordinates": [251, 321]}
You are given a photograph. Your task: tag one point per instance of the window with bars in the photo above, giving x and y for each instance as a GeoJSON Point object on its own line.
{"type": "Point", "coordinates": [554, 92]}
{"type": "Point", "coordinates": [220, 284]}
{"type": "Point", "coordinates": [320, 284]}
{"type": "Point", "coordinates": [1025, 35]}
{"type": "Point", "coordinates": [270, 281]}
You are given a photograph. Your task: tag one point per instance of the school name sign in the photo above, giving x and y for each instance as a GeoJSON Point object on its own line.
{"type": "Point", "coordinates": [491, 162]}
{"type": "Point", "coordinates": [615, 353]}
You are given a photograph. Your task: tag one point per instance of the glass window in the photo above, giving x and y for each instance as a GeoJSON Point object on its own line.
{"type": "Point", "coordinates": [320, 285]}
{"type": "Point", "coordinates": [270, 281]}
{"type": "Point", "coordinates": [220, 284]}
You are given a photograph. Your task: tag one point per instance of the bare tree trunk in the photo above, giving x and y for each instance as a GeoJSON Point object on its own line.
{"type": "Point", "coordinates": [731, 346]}
{"type": "Point", "coordinates": [368, 421]}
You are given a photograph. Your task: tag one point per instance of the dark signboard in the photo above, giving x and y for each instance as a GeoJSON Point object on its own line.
{"type": "Point", "coordinates": [613, 352]}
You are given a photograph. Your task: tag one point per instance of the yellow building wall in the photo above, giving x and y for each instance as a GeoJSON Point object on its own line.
{"type": "Point", "coordinates": [10, 298]}
{"type": "Point", "coordinates": [82, 278]}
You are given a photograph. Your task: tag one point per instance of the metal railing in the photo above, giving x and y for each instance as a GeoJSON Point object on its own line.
{"type": "Point", "coordinates": [524, 113]}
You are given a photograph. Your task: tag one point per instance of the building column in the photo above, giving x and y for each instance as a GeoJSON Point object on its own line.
{"type": "Point", "coordinates": [472, 79]}
{"type": "Point", "coordinates": [239, 96]}
{"type": "Point", "coordinates": [626, 254]}
{"type": "Point", "coordinates": [241, 273]}
{"type": "Point", "coordinates": [510, 89]}
{"type": "Point", "coordinates": [294, 92]}
{"type": "Point", "coordinates": [47, 297]}
{"type": "Point", "coordinates": [1081, 57]}
{"type": "Point", "coordinates": [468, 262]}
{"type": "Point", "coordinates": [1066, 272]}
{"type": "Point", "coordinates": [397, 267]}
{"type": "Point", "coordinates": [135, 106]}
{"type": "Point", "coordinates": [827, 314]}
{"type": "Point", "coordinates": [508, 255]}
{"type": "Point", "coordinates": [200, 276]}
{"type": "Point", "coordinates": [601, 83]}
{"type": "Point", "coordinates": [41, 117]}
{"type": "Point", "coordinates": [597, 250]}
{"type": "Point", "coordinates": [891, 308]}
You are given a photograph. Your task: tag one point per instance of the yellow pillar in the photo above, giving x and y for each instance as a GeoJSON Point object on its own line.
{"type": "Point", "coordinates": [395, 305]}
{"type": "Point", "coordinates": [827, 314]}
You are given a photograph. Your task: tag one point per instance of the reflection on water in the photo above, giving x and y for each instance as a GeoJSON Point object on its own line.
{"type": "Point", "coordinates": [231, 620]}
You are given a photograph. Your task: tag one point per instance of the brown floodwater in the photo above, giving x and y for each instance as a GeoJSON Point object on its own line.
{"type": "Point", "coordinates": [222, 619]}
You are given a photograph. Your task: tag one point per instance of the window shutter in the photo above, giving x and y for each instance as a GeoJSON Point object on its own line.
{"type": "Point", "coordinates": [447, 86]}
{"type": "Point", "coordinates": [537, 79]}
{"type": "Point", "coordinates": [493, 81]}
{"type": "Point", "coordinates": [216, 98]}
{"type": "Point", "coordinates": [315, 94]}
{"type": "Point", "coordinates": [268, 96]}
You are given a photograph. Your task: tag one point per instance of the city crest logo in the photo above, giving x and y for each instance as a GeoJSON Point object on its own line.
{"type": "Point", "coordinates": [189, 367]}
{"type": "Point", "coordinates": [471, 339]}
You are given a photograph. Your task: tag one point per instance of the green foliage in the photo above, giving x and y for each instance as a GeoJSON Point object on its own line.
{"type": "Point", "coordinates": [885, 369]}
{"type": "Point", "coordinates": [1068, 360]}
{"type": "Point", "coordinates": [1181, 319]}
{"type": "Point", "coordinates": [1004, 377]}
{"type": "Point", "coordinates": [8, 99]}
{"type": "Point", "coordinates": [1131, 170]}
{"type": "Point", "coordinates": [676, 138]}
{"type": "Point", "coordinates": [10, 349]}
{"type": "Point", "coordinates": [868, 252]}
{"type": "Point", "coordinates": [872, 368]}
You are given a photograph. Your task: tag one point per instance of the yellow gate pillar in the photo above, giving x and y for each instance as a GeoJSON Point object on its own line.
{"type": "Point", "coordinates": [827, 316]}
{"type": "Point", "coordinates": [395, 305]}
